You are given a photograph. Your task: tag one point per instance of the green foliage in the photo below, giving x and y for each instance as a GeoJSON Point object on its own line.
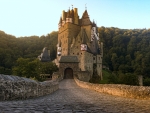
{"type": "Point", "coordinates": [12, 48]}
{"type": "Point", "coordinates": [128, 79]}
{"type": "Point", "coordinates": [119, 78]}
{"type": "Point", "coordinates": [28, 68]}
{"type": "Point", "coordinates": [48, 68]}
{"type": "Point", "coordinates": [106, 75]}
{"type": "Point", "coordinates": [32, 68]}
{"type": "Point", "coordinates": [126, 51]}
{"type": "Point", "coordinates": [146, 82]}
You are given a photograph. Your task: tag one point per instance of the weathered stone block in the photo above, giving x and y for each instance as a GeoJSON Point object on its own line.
{"type": "Point", "coordinates": [14, 87]}
{"type": "Point", "coordinates": [138, 92]}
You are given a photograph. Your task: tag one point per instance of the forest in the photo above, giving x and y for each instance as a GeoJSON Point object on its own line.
{"type": "Point", "coordinates": [126, 52]}
{"type": "Point", "coordinates": [21, 54]}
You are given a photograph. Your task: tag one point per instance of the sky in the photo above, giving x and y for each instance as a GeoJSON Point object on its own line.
{"type": "Point", "coordinates": [40, 17]}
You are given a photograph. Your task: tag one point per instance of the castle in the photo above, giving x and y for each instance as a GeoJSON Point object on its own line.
{"type": "Point", "coordinates": [79, 49]}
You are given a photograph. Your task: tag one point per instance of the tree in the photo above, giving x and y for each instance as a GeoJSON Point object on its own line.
{"type": "Point", "coordinates": [28, 68]}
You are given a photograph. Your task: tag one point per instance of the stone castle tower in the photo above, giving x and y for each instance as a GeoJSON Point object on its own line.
{"type": "Point", "coordinates": [78, 49]}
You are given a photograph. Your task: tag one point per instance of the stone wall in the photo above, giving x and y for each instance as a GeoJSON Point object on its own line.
{"type": "Point", "coordinates": [14, 87]}
{"type": "Point", "coordinates": [84, 76]}
{"type": "Point", "coordinates": [56, 76]}
{"type": "Point", "coordinates": [138, 92]}
{"type": "Point", "coordinates": [63, 66]}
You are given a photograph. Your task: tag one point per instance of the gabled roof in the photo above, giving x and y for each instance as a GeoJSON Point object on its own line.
{"type": "Point", "coordinates": [45, 56]}
{"type": "Point", "coordinates": [68, 59]}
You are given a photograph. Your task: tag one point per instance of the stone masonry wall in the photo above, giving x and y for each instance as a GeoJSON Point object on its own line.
{"type": "Point", "coordinates": [14, 87]}
{"type": "Point", "coordinates": [84, 76]}
{"type": "Point", "coordinates": [138, 92]}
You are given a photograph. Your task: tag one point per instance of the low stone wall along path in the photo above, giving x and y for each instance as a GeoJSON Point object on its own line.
{"type": "Point", "coordinates": [71, 98]}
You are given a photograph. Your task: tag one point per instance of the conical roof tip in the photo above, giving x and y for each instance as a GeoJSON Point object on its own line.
{"type": "Point", "coordinates": [85, 14]}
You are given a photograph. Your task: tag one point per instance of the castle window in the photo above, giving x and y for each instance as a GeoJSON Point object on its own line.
{"type": "Point", "coordinates": [81, 53]}
{"type": "Point", "coordinates": [77, 53]}
{"type": "Point", "coordinates": [93, 58]}
{"type": "Point", "coordinates": [73, 53]}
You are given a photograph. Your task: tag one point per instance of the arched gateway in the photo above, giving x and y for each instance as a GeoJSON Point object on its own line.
{"type": "Point", "coordinates": [68, 66]}
{"type": "Point", "coordinates": [68, 73]}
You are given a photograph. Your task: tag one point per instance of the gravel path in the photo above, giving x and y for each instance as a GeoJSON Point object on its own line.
{"type": "Point", "coordinates": [71, 98]}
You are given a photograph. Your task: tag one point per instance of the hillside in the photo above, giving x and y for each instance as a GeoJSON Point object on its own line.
{"type": "Point", "coordinates": [12, 48]}
{"type": "Point", "coordinates": [125, 50]}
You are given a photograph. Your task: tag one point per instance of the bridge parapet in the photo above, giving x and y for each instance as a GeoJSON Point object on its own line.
{"type": "Point", "coordinates": [137, 92]}
{"type": "Point", "coordinates": [14, 87]}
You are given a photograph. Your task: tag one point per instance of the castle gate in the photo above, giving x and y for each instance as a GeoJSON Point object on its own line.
{"type": "Point", "coordinates": [68, 73]}
{"type": "Point", "coordinates": [68, 66]}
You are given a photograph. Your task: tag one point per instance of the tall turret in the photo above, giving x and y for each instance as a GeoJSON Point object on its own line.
{"type": "Point", "coordinates": [69, 18]}
{"type": "Point", "coordinates": [76, 17]}
{"type": "Point", "coordinates": [63, 17]}
{"type": "Point", "coordinates": [72, 15]}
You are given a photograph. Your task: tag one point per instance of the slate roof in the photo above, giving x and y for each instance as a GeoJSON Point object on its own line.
{"type": "Point", "coordinates": [68, 59]}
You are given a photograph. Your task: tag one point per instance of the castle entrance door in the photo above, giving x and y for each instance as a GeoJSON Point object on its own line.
{"type": "Point", "coordinates": [68, 74]}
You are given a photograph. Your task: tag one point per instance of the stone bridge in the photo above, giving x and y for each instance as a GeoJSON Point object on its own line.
{"type": "Point", "coordinates": [71, 98]}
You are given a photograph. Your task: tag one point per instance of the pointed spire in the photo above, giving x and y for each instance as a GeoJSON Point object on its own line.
{"type": "Point", "coordinates": [72, 13]}
{"type": "Point", "coordinates": [85, 7]}
{"type": "Point", "coordinates": [68, 13]}
{"type": "Point", "coordinates": [85, 14]}
{"type": "Point", "coordinates": [93, 24]}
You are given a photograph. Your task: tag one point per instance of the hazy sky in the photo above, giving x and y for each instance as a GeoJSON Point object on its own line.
{"type": "Point", "coordinates": [40, 17]}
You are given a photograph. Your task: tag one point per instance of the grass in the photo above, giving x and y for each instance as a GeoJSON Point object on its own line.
{"type": "Point", "coordinates": [106, 75]}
